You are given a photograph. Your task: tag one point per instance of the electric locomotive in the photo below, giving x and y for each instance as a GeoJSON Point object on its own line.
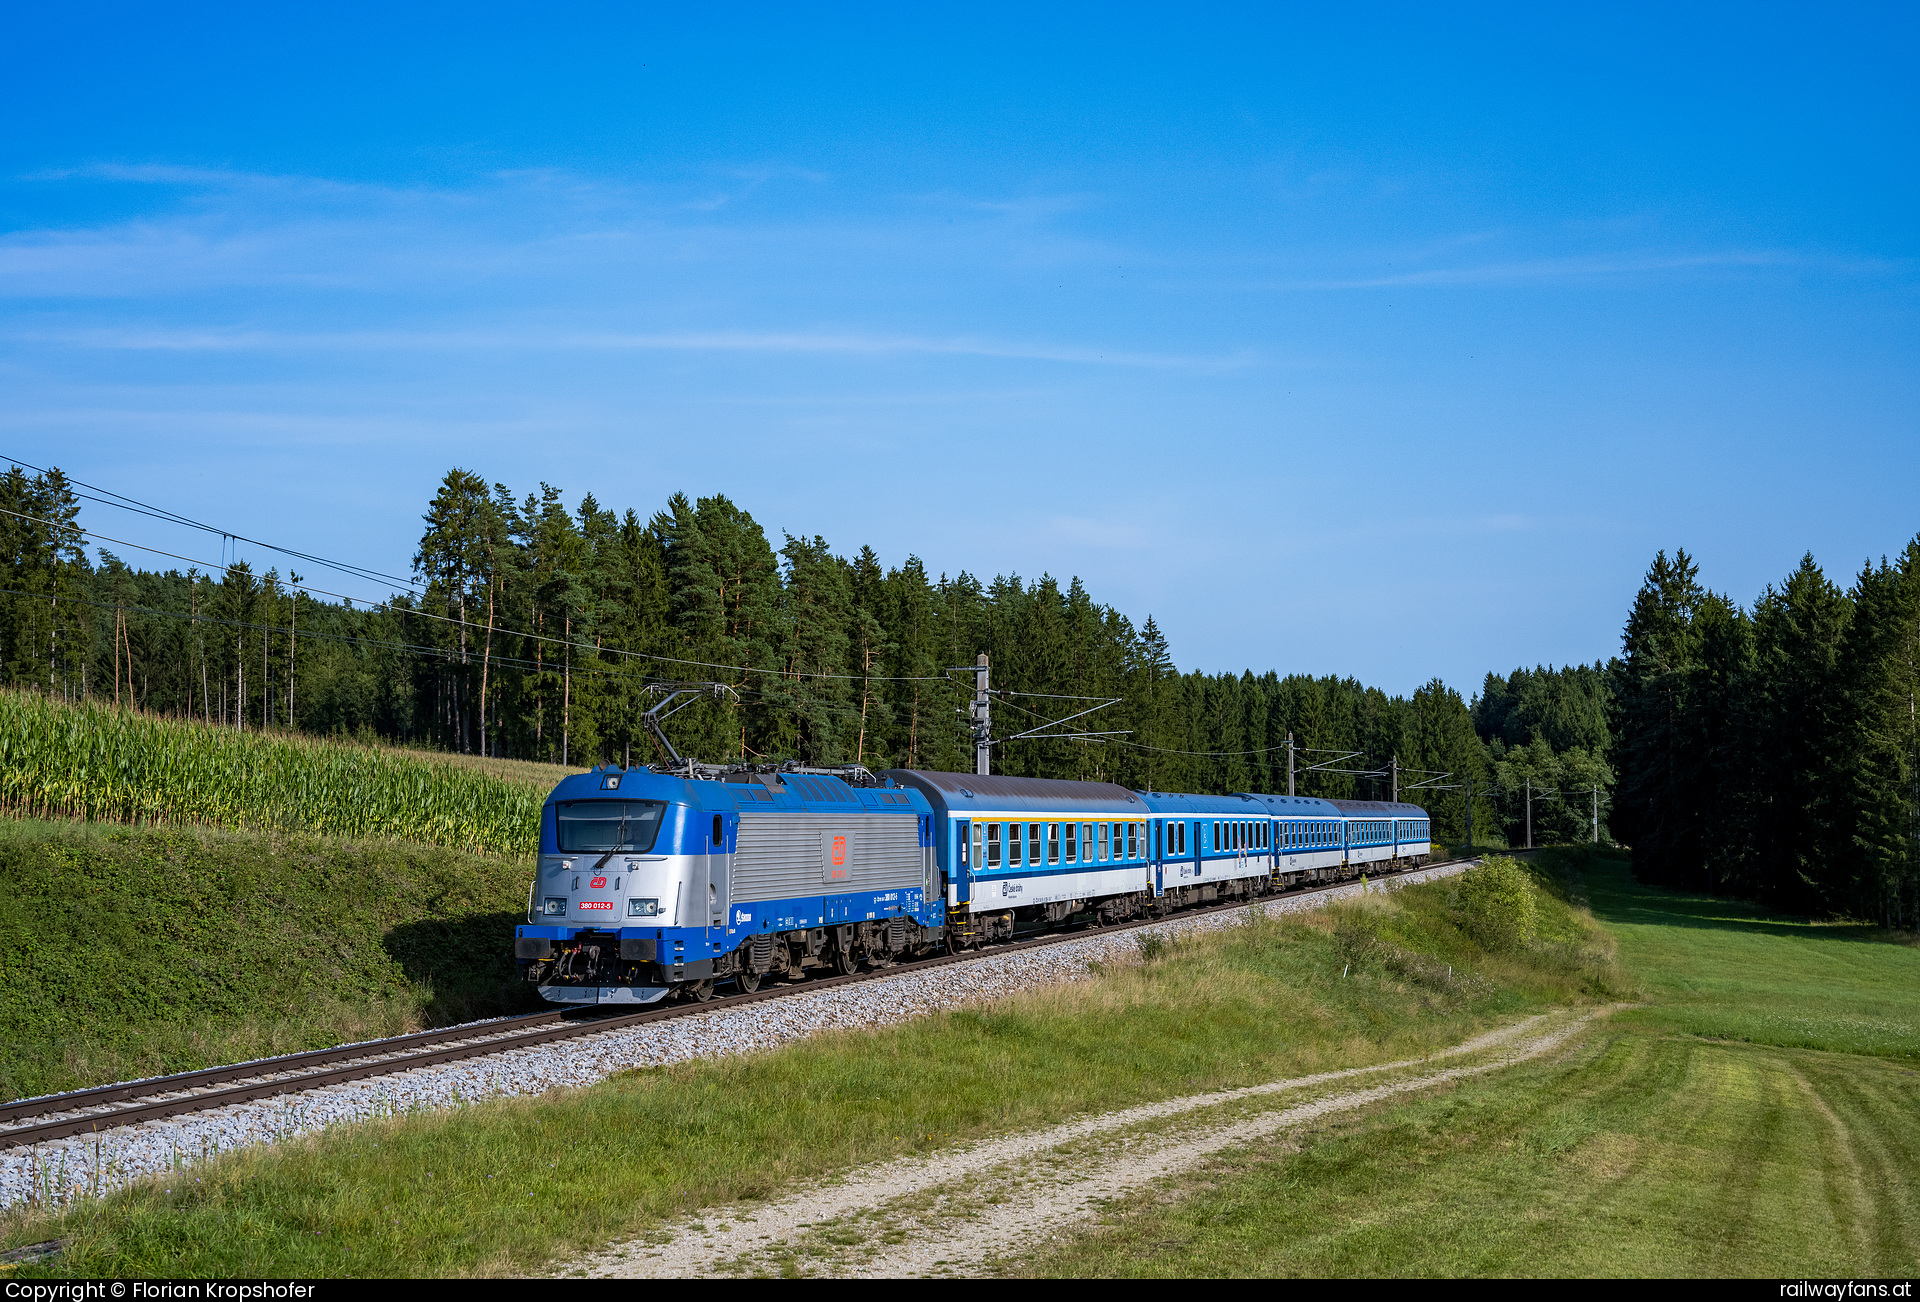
{"type": "Point", "coordinates": [651, 882]}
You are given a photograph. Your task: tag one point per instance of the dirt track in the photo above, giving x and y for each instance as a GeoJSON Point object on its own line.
{"type": "Point", "coordinates": [948, 1214]}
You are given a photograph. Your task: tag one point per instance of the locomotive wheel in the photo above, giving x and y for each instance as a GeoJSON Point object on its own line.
{"type": "Point", "coordinates": [843, 962]}
{"type": "Point", "coordinates": [747, 981]}
{"type": "Point", "coordinates": [699, 991]}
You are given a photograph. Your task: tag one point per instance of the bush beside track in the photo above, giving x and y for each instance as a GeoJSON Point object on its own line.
{"type": "Point", "coordinates": [93, 761]}
{"type": "Point", "coordinates": [128, 952]}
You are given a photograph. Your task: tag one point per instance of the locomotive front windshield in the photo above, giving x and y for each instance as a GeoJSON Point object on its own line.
{"type": "Point", "coordinates": [593, 826]}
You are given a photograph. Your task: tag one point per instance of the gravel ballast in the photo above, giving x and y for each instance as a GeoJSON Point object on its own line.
{"type": "Point", "coordinates": [65, 1170]}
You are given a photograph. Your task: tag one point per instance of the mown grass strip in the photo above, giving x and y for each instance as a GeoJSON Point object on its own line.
{"type": "Point", "coordinates": [1642, 1155]}
{"type": "Point", "coordinates": [519, 1185]}
{"type": "Point", "coordinates": [1698, 1135]}
{"type": "Point", "coordinates": [92, 761]}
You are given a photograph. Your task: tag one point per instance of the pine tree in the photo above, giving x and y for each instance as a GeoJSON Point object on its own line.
{"type": "Point", "coordinates": [1657, 756]}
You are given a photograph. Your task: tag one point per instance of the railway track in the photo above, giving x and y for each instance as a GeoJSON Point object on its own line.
{"type": "Point", "coordinates": [106, 1107]}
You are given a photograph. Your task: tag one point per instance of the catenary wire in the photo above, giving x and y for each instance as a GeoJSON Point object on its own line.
{"type": "Point", "coordinates": [134, 504]}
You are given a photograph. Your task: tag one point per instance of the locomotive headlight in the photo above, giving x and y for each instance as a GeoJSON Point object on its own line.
{"type": "Point", "coordinates": [643, 908]}
{"type": "Point", "coordinates": [556, 906]}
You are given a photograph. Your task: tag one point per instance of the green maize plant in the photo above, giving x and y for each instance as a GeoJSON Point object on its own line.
{"type": "Point", "coordinates": [100, 763]}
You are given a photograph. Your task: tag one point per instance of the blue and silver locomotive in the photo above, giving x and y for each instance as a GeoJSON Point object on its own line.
{"type": "Point", "coordinates": [675, 880]}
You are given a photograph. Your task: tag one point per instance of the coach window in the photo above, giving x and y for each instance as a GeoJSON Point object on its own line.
{"type": "Point", "coordinates": [1073, 843]}
{"type": "Point", "coordinates": [1053, 843]}
{"type": "Point", "coordinates": [1103, 840]}
{"type": "Point", "coordinates": [1036, 838]}
{"type": "Point", "coordinates": [1086, 843]}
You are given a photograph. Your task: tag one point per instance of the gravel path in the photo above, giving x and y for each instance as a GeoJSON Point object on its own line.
{"type": "Point", "coordinates": [65, 1170]}
{"type": "Point", "coordinates": [943, 1215]}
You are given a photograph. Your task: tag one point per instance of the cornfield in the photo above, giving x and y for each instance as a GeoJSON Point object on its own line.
{"type": "Point", "coordinates": [97, 762]}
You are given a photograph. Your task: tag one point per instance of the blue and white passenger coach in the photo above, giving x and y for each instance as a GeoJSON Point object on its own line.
{"type": "Point", "coordinates": [1034, 847]}
{"type": "Point", "coordinates": [1384, 832]}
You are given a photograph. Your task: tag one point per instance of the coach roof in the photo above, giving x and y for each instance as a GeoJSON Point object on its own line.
{"type": "Point", "coordinates": [964, 793]}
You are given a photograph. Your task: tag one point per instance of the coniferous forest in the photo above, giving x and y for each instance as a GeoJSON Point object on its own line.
{"type": "Point", "coordinates": [1769, 752]}
{"type": "Point", "coordinates": [1772, 751]}
{"type": "Point", "coordinates": [533, 631]}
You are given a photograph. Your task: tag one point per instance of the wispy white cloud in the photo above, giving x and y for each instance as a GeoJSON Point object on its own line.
{"type": "Point", "coordinates": [1549, 270]}
{"type": "Point", "coordinates": [741, 341]}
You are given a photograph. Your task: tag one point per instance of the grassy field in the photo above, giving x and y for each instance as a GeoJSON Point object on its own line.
{"type": "Point", "coordinates": [130, 952]}
{"type": "Point", "coordinates": [93, 761]}
{"type": "Point", "coordinates": [509, 1186]}
{"type": "Point", "coordinates": [1755, 1116]}
{"type": "Point", "coordinates": [1760, 1116]}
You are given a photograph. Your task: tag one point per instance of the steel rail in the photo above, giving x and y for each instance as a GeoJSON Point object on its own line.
{"type": "Point", "coordinates": [99, 1094]}
{"type": "Point", "coordinates": [390, 1056]}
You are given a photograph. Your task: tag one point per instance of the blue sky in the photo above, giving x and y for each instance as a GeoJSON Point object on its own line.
{"type": "Point", "coordinates": [1390, 345]}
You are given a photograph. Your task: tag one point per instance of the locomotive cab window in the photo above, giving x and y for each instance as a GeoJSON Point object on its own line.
{"type": "Point", "coordinates": [599, 826]}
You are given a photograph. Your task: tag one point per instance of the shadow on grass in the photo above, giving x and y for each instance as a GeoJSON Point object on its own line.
{"type": "Point", "coordinates": [466, 963]}
{"type": "Point", "coordinates": [1618, 899]}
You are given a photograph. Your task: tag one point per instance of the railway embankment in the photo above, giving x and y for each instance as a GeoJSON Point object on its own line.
{"type": "Point", "coordinates": [128, 952]}
{"type": "Point", "coordinates": [519, 1184]}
